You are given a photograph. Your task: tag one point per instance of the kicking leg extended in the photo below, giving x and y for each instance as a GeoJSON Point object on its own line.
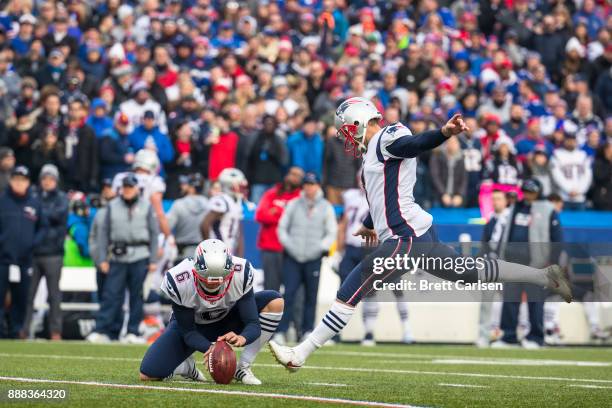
{"type": "Point", "coordinates": [359, 284]}
{"type": "Point", "coordinates": [270, 305]}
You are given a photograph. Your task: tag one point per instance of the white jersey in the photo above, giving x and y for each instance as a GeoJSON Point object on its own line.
{"type": "Point", "coordinates": [227, 229]}
{"type": "Point", "coordinates": [389, 182]}
{"type": "Point", "coordinates": [147, 183]}
{"type": "Point", "coordinates": [179, 286]}
{"type": "Point", "coordinates": [355, 210]}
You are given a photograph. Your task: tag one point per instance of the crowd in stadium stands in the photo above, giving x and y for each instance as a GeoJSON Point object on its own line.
{"type": "Point", "coordinates": [212, 84]}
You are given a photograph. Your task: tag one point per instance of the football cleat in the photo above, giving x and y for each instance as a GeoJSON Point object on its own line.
{"type": "Point", "coordinates": [99, 338]}
{"type": "Point", "coordinates": [558, 282]}
{"type": "Point", "coordinates": [368, 340]}
{"type": "Point", "coordinates": [286, 356]}
{"type": "Point", "coordinates": [132, 338]}
{"type": "Point", "coordinates": [246, 376]}
{"type": "Point", "coordinates": [500, 344]}
{"type": "Point", "coordinates": [530, 344]}
{"type": "Point", "coordinates": [192, 372]}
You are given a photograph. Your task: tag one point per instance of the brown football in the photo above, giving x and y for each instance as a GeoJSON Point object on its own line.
{"type": "Point", "coordinates": [222, 363]}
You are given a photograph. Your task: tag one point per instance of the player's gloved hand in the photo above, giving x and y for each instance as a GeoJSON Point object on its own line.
{"type": "Point", "coordinates": [233, 339]}
{"type": "Point", "coordinates": [368, 234]}
{"type": "Point", "coordinates": [454, 126]}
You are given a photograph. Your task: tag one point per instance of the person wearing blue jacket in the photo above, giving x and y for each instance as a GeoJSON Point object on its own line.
{"type": "Point", "coordinates": [22, 228]}
{"type": "Point", "coordinates": [306, 148]}
{"type": "Point", "coordinates": [49, 255]}
{"type": "Point", "coordinates": [148, 136]}
{"type": "Point", "coordinates": [99, 120]}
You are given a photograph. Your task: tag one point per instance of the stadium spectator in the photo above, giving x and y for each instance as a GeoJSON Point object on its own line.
{"type": "Point", "coordinates": [571, 172]}
{"type": "Point", "coordinates": [98, 119]}
{"type": "Point", "coordinates": [306, 231]}
{"type": "Point", "coordinates": [538, 168]}
{"type": "Point", "coordinates": [7, 163]}
{"type": "Point", "coordinates": [602, 178]}
{"type": "Point", "coordinates": [448, 174]}
{"type": "Point", "coordinates": [268, 214]}
{"type": "Point", "coordinates": [48, 149]}
{"type": "Point", "coordinates": [149, 135]}
{"type": "Point", "coordinates": [127, 250]}
{"type": "Point", "coordinates": [223, 142]}
{"type": "Point", "coordinates": [306, 148]}
{"type": "Point", "coordinates": [503, 167]}
{"type": "Point", "coordinates": [339, 168]}
{"type": "Point", "coordinates": [116, 155]}
{"type": "Point", "coordinates": [82, 159]}
{"type": "Point", "coordinates": [516, 123]}
{"type": "Point", "coordinates": [49, 254]}
{"type": "Point", "coordinates": [267, 159]}
{"type": "Point", "coordinates": [22, 228]}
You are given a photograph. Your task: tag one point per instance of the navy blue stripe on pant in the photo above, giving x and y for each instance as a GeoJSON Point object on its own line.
{"type": "Point", "coordinates": [169, 350]}
{"type": "Point", "coordinates": [121, 276]}
{"type": "Point", "coordinates": [19, 299]}
{"type": "Point", "coordinates": [360, 281]}
{"type": "Point", "coordinates": [510, 312]}
{"type": "Point", "coordinates": [296, 274]}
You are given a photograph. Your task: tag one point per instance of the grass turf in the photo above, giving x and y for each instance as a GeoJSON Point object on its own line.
{"type": "Point", "coordinates": [441, 376]}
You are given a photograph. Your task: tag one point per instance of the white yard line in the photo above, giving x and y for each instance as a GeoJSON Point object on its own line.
{"type": "Point", "coordinates": [329, 368]}
{"type": "Point", "coordinates": [462, 385]}
{"type": "Point", "coordinates": [589, 386]}
{"type": "Point", "coordinates": [322, 384]}
{"type": "Point", "coordinates": [434, 357]}
{"type": "Point", "coordinates": [522, 362]}
{"type": "Point", "coordinates": [211, 391]}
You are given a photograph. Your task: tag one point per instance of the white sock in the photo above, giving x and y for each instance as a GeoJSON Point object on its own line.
{"type": "Point", "coordinates": [496, 270]}
{"type": "Point", "coordinates": [333, 322]}
{"type": "Point", "coordinates": [402, 310]}
{"type": "Point", "coordinates": [269, 322]}
{"type": "Point", "coordinates": [186, 368]}
{"type": "Point", "coordinates": [369, 315]}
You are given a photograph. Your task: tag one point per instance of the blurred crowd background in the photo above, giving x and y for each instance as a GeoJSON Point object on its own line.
{"type": "Point", "coordinates": [253, 84]}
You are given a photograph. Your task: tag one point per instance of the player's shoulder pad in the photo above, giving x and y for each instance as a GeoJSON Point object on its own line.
{"type": "Point", "coordinates": [393, 132]}
{"type": "Point", "coordinates": [218, 204]}
{"type": "Point", "coordinates": [177, 281]}
{"type": "Point", "coordinates": [243, 274]}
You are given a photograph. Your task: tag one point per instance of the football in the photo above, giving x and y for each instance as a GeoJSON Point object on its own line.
{"type": "Point", "coordinates": [222, 363]}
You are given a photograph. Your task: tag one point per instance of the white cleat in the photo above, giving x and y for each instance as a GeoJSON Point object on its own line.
{"type": "Point", "coordinates": [131, 338]}
{"type": "Point", "coordinates": [407, 338]}
{"type": "Point", "coordinates": [368, 342]}
{"type": "Point", "coordinates": [530, 345]}
{"type": "Point", "coordinates": [558, 282]}
{"type": "Point", "coordinates": [482, 343]}
{"type": "Point", "coordinates": [246, 376]}
{"type": "Point", "coordinates": [500, 344]}
{"type": "Point", "coordinates": [98, 338]}
{"type": "Point", "coordinates": [286, 356]}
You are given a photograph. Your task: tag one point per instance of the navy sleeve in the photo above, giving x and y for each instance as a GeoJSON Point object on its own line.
{"type": "Point", "coordinates": [186, 323]}
{"type": "Point", "coordinates": [247, 309]}
{"type": "Point", "coordinates": [412, 146]}
{"type": "Point", "coordinates": [368, 222]}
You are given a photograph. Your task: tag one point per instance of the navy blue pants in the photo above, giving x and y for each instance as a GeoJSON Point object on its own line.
{"type": "Point", "coordinates": [359, 282]}
{"type": "Point", "coordinates": [296, 274]}
{"type": "Point", "coordinates": [169, 350]}
{"type": "Point", "coordinates": [510, 312]}
{"type": "Point", "coordinates": [19, 300]}
{"type": "Point", "coordinates": [122, 276]}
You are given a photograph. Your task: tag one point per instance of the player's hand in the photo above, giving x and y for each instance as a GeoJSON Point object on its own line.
{"type": "Point", "coordinates": [104, 267]}
{"type": "Point", "coordinates": [454, 126]}
{"type": "Point", "coordinates": [368, 234]}
{"type": "Point", "coordinates": [206, 356]}
{"type": "Point", "coordinates": [233, 339]}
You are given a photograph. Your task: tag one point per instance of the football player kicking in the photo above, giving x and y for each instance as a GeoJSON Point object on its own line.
{"type": "Point", "coordinates": [212, 300]}
{"type": "Point", "coordinates": [398, 222]}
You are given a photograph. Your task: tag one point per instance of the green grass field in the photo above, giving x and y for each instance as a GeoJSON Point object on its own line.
{"type": "Point", "coordinates": [432, 376]}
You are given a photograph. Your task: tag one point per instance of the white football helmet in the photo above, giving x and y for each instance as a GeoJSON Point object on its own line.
{"type": "Point", "coordinates": [147, 160]}
{"type": "Point", "coordinates": [352, 118]}
{"type": "Point", "coordinates": [233, 182]}
{"type": "Point", "coordinates": [212, 264]}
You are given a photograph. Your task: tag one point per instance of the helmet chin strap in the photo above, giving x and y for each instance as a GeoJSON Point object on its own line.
{"type": "Point", "coordinates": [199, 283]}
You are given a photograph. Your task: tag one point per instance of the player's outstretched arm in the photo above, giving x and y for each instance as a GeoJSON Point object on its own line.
{"type": "Point", "coordinates": [412, 146]}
